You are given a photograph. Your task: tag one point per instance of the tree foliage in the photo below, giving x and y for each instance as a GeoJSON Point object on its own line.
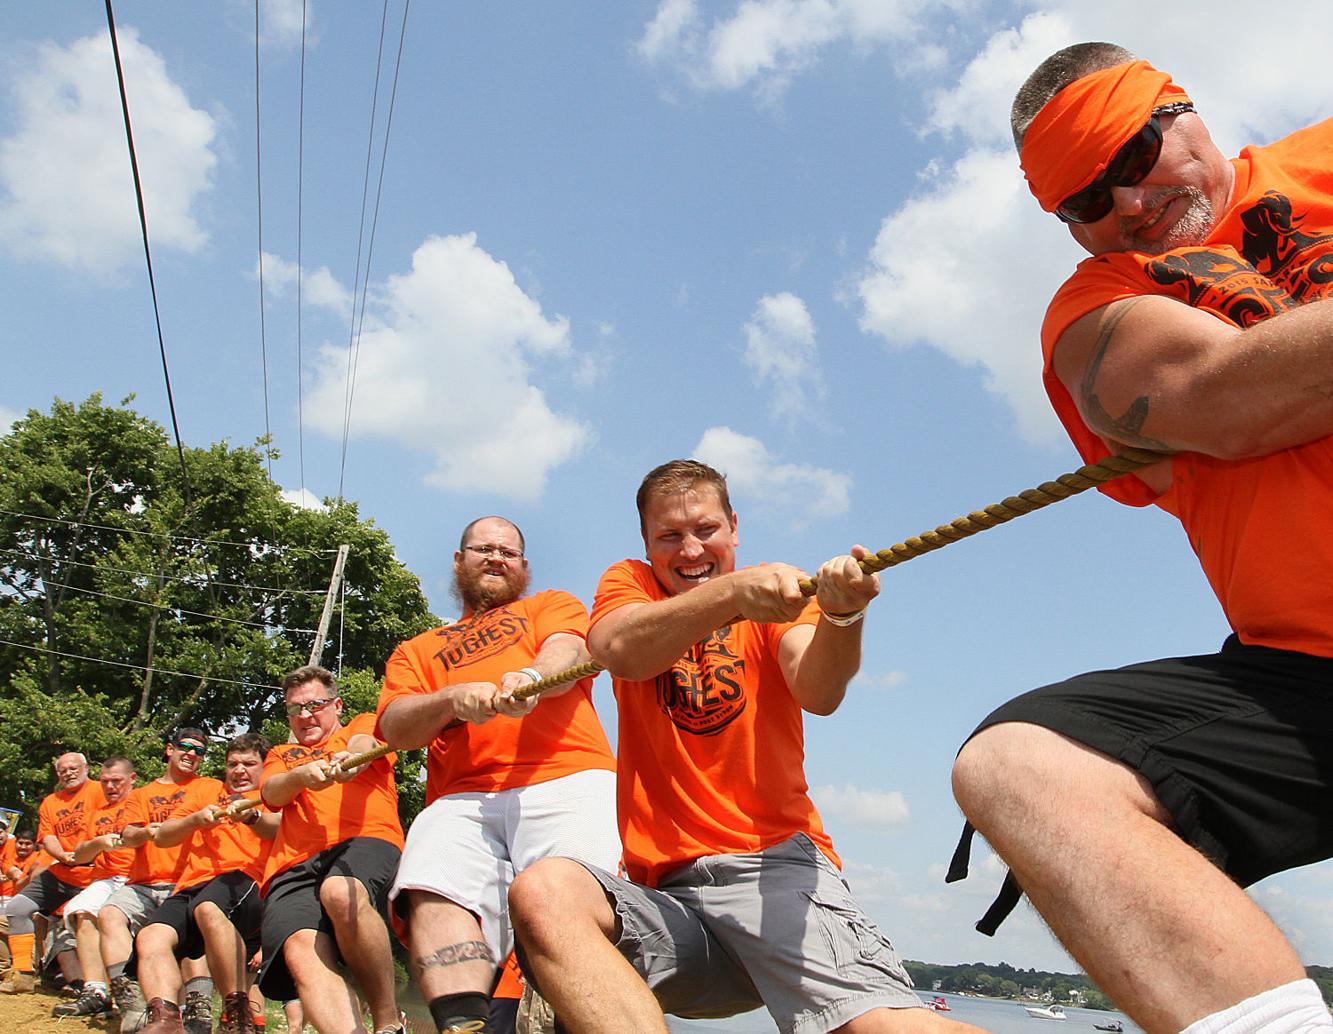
{"type": "Point", "coordinates": [136, 596]}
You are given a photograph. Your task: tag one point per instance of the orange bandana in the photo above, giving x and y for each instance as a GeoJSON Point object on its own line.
{"type": "Point", "coordinates": [1080, 129]}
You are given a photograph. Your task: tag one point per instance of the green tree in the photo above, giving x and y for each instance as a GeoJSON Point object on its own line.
{"type": "Point", "coordinates": [135, 597]}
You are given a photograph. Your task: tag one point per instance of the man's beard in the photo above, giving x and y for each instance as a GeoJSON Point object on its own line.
{"type": "Point", "coordinates": [478, 593]}
{"type": "Point", "coordinates": [1191, 229]}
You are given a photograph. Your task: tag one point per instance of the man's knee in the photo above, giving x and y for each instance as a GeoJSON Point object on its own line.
{"type": "Point", "coordinates": [155, 939]}
{"type": "Point", "coordinates": [554, 893]}
{"type": "Point", "coordinates": [111, 918]}
{"type": "Point", "coordinates": [210, 919]}
{"type": "Point", "coordinates": [342, 897]}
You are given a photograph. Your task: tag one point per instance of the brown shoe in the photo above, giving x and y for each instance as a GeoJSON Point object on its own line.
{"type": "Point", "coordinates": [236, 1017]}
{"type": "Point", "coordinates": [17, 983]}
{"type": "Point", "coordinates": [163, 1018]}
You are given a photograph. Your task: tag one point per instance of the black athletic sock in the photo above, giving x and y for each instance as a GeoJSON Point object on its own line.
{"type": "Point", "coordinates": [465, 1012]}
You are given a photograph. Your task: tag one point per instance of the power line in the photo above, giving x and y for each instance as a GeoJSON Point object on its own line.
{"type": "Point", "coordinates": [370, 249]}
{"type": "Point", "coordinates": [259, 196]}
{"type": "Point", "coordinates": [300, 267]}
{"type": "Point", "coordinates": [280, 547]}
{"type": "Point", "coordinates": [154, 574]}
{"type": "Point", "coordinates": [360, 237]}
{"type": "Point", "coordinates": [175, 610]}
{"type": "Point", "coordinates": [136, 667]}
{"type": "Point", "coordinates": [147, 253]}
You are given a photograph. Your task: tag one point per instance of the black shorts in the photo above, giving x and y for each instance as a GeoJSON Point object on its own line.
{"type": "Point", "coordinates": [234, 893]}
{"type": "Point", "coordinates": [1238, 747]}
{"type": "Point", "coordinates": [291, 901]}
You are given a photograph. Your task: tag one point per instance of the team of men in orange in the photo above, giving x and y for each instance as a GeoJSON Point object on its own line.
{"type": "Point", "coordinates": [691, 874]}
{"type": "Point", "coordinates": [526, 809]}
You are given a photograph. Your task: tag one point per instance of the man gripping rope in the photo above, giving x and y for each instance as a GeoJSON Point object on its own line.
{"type": "Point", "coordinates": [508, 782]}
{"type": "Point", "coordinates": [737, 897]}
{"type": "Point", "coordinates": [1132, 805]}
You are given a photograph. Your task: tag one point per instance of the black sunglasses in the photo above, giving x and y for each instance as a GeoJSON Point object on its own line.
{"type": "Point", "coordinates": [192, 747]}
{"type": "Point", "coordinates": [1130, 166]}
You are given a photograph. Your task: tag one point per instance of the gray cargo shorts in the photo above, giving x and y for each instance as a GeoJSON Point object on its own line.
{"type": "Point", "coordinates": [729, 933]}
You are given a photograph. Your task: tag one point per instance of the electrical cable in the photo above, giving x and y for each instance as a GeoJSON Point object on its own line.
{"type": "Point", "coordinates": [192, 579]}
{"type": "Point", "coordinates": [174, 538]}
{"type": "Point", "coordinates": [137, 667]}
{"type": "Point", "coordinates": [259, 201]}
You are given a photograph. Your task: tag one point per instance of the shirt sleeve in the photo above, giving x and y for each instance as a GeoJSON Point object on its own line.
{"type": "Point", "coordinates": [621, 585]}
{"type": "Point", "coordinates": [560, 613]}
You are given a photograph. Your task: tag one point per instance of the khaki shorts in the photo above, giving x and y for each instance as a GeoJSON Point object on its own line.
{"type": "Point", "coordinates": [139, 901]}
{"type": "Point", "coordinates": [728, 933]}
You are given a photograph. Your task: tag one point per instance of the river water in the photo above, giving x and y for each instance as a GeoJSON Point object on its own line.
{"type": "Point", "coordinates": [992, 1014]}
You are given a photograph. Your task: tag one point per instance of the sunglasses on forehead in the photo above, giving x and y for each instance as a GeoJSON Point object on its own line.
{"type": "Point", "coordinates": [1129, 167]}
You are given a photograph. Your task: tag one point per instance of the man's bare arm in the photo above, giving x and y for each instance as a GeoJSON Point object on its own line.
{"type": "Point", "coordinates": [641, 640]}
{"type": "Point", "coordinates": [1155, 373]}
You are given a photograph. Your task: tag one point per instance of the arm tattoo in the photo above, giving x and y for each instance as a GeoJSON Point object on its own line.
{"type": "Point", "coordinates": [1127, 427]}
{"type": "Point", "coordinates": [452, 954]}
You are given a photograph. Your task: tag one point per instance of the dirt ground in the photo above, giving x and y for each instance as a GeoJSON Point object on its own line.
{"type": "Point", "coordinates": [31, 1014]}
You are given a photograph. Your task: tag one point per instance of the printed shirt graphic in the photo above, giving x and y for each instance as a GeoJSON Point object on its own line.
{"type": "Point", "coordinates": [64, 815]}
{"type": "Point", "coordinates": [317, 819]}
{"type": "Point", "coordinates": [560, 737]}
{"type": "Point", "coordinates": [1259, 527]}
{"type": "Point", "coordinates": [227, 847]}
{"type": "Point", "coordinates": [156, 802]}
{"type": "Point", "coordinates": [712, 751]}
{"type": "Point", "coordinates": [110, 818]}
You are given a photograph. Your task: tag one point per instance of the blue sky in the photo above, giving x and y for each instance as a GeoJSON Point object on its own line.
{"type": "Point", "coordinates": [786, 236]}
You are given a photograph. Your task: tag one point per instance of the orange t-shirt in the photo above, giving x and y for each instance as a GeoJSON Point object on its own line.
{"type": "Point", "coordinates": [560, 737]}
{"type": "Point", "coordinates": [110, 818]}
{"type": "Point", "coordinates": [229, 846]}
{"type": "Point", "coordinates": [317, 819]}
{"type": "Point", "coordinates": [712, 751]}
{"type": "Point", "coordinates": [156, 802]}
{"type": "Point", "coordinates": [64, 815]}
{"type": "Point", "coordinates": [9, 854]}
{"type": "Point", "coordinates": [36, 857]}
{"type": "Point", "coordinates": [1254, 524]}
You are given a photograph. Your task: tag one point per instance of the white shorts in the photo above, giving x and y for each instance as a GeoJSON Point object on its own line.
{"type": "Point", "coordinates": [91, 899]}
{"type": "Point", "coordinates": [467, 847]}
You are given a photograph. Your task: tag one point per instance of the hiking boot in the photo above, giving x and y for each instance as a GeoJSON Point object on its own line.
{"type": "Point", "coordinates": [18, 983]}
{"type": "Point", "coordinates": [163, 1018]}
{"type": "Point", "coordinates": [129, 1002]}
{"type": "Point", "coordinates": [197, 1013]}
{"type": "Point", "coordinates": [89, 1003]}
{"type": "Point", "coordinates": [236, 1017]}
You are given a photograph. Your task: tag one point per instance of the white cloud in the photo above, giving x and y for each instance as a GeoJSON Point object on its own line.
{"type": "Point", "coordinates": [967, 263]}
{"type": "Point", "coordinates": [280, 21]}
{"type": "Point", "coordinates": [885, 680]}
{"type": "Point", "coordinates": [303, 499]}
{"type": "Point", "coordinates": [780, 349]}
{"type": "Point", "coordinates": [859, 806]}
{"type": "Point", "coordinates": [66, 193]}
{"type": "Point", "coordinates": [319, 287]}
{"type": "Point", "coordinates": [447, 367]}
{"type": "Point", "coordinates": [8, 417]}
{"type": "Point", "coordinates": [767, 42]}
{"type": "Point", "coordinates": [754, 473]}
{"type": "Point", "coordinates": [872, 884]}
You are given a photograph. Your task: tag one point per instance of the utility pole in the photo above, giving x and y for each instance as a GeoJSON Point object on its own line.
{"type": "Point", "coordinates": [317, 649]}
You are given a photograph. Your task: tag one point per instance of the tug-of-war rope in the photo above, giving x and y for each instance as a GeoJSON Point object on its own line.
{"type": "Point", "coordinates": [1025, 502]}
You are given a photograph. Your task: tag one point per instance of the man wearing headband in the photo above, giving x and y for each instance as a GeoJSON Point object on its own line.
{"type": "Point", "coordinates": [1132, 805]}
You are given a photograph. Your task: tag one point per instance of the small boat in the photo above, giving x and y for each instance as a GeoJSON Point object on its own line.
{"type": "Point", "coordinates": [1115, 1027]}
{"type": "Point", "coordinates": [938, 1004]}
{"type": "Point", "coordinates": [1047, 1012]}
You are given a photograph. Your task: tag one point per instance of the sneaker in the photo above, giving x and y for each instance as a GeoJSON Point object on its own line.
{"type": "Point", "coordinates": [197, 1013]}
{"type": "Point", "coordinates": [236, 1017]}
{"type": "Point", "coordinates": [129, 1002]}
{"type": "Point", "coordinates": [401, 1026]}
{"type": "Point", "coordinates": [163, 1018]}
{"type": "Point", "coordinates": [89, 1003]}
{"type": "Point", "coordinates": [18, 983]}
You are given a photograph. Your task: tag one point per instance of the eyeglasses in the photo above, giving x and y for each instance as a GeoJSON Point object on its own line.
{"type": "Point", "coordinates": [311, 706]}
{"type": "Point", "coordinates": [1129, 167]}
{"type": "Point", "coordinates": [193, 748]}
{"type": "Point", "coordinates": [502, 552]}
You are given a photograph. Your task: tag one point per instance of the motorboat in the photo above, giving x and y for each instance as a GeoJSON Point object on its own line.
{"type": "Point", "coordinates": [1115, 1027]}
{"type": "Point", "coordinates": [938, 1004]}
{"type": "Point", "coordinates": [1047, 1012]}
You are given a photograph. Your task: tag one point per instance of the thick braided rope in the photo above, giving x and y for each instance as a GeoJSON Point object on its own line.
{"type": "Point", "coordinates": [1048, 492]}
{"type": "Point", "coordinates": [356, 760]}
